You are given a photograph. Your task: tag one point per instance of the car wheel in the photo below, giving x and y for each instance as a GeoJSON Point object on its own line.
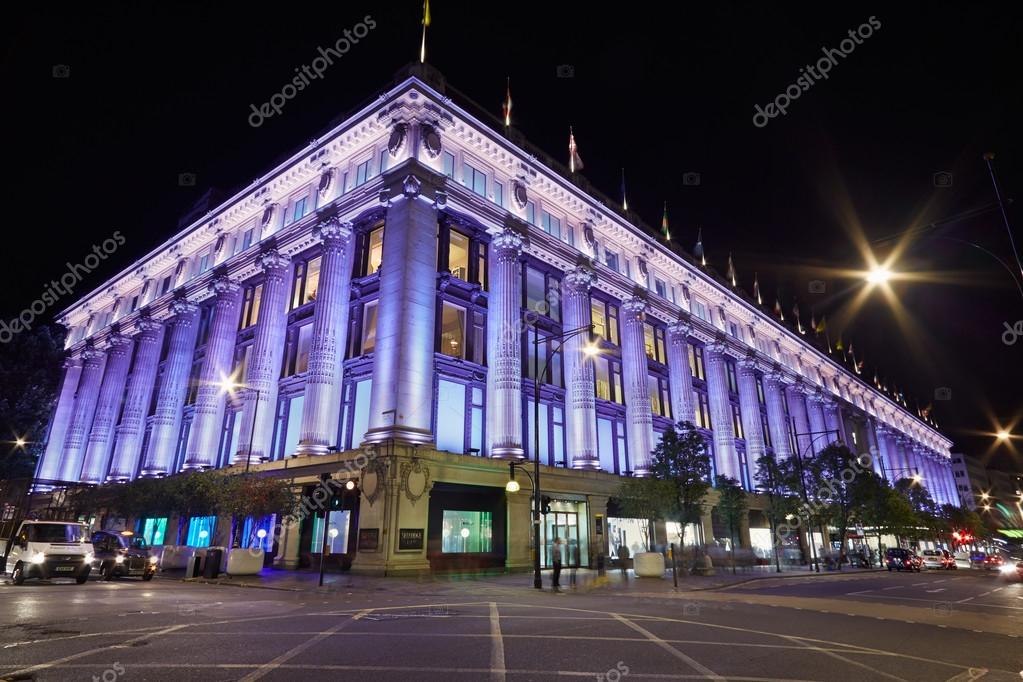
{"type": "Point", "coordinates": [106, 572]}
{"type": "Point", "coordinates": [147, 576]}
{"type": "Point", "coordinates": [18, 575]}
{"type": "Point", "coordinates": [81, 579]}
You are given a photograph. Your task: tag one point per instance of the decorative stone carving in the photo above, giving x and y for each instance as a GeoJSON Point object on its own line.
{"type": "Point", "coordinates": [415, 479]}
{"type": "Point", "coordinates": [395, 143]}
{"type": "Point", "coordinates": [411, 186]}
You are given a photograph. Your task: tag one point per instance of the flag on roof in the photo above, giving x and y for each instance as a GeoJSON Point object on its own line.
{"type": "Point", "coordinates": [426, 22]}
{"type": "Point", "coordinates": [731, 271]}
{"type": "Point", "coordinates": [664, 223]}
{"type": "Point", "coordinates": [625, 201]}
{"type": "Point", "coordinates": [698, 249]}
{"type": "Point", "coordinates": [507, 106]}
{"type": "Point", "coordinates": [575, 163]}
{"type": "Point", "coordinates": [756, 289]}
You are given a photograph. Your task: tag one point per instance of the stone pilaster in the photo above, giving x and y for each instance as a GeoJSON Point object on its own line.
{"type": "Point", "coordinates": [905, 466]}
{"type": "Point", "coordinates": [725, 457]}
{"type": "Point", "coordinates": [170, 397]}
{"type": "Point", "coordinates": [818, 425]}
{"type": "Point", "coordinates": [800, 420]}
{"type": "Point", "coordinates": [749, 409]}
{"type": "Point", "coordinates": [401, 401]}
{"type": "Point", "coordinates": [580, 398]}
{"type": "Point", "coordinates": [680, 374]}
{"type": "Point", "coordinates": [49, 467]}
{"type": "Point", "coordinates": [638, 412]}
{"type": "Point", "coordinates": [263, 369]}
{"type": "Point", "coordinates": [111, 392]}
{"type": "Point", "coordinates": [832, 419]}
{"type": "Point", "coordinates": [882, 458]}
{"type": "Point", "coordinates": [210, 399]}
{"type": "Point", "coordinates": [130, 431]}
{"type": "Point", "coordinates": [504, 349]}
{"type": "Point", "coordinates": [322, 405]}
{"type": "Point", "coordinates": [75, 440]}
{"type": "Point", "coordinates": [777, 422]}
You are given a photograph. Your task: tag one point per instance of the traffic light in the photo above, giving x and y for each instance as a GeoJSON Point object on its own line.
{"type": "Point", "coordinates": [545, 505]}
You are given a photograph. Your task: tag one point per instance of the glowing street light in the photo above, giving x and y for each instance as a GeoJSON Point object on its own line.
{"type": "Point", "coordinates": [879, 274]}
{"type": "Point", "coordinates": [1003, 435]}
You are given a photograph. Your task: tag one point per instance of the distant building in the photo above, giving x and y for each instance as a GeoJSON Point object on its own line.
{"type": "Point", "coordinates": [970, 478]}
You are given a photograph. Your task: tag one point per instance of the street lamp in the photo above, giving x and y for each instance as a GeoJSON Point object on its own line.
{"type": "Point", "coordinates": [879, 274]}
{"type": "Point", "coordinates": [1003, 436]}
{"type": "Point", "coordinates": [589, 350]}
{"type": "Point", "coordinates": [802, 483]}
{"type": "Point", "coordinates": [228, 385]}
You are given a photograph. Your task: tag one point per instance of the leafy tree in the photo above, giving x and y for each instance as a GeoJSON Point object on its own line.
{"type": "Point", "coordinates": [732, 506]}
{"type": "Point", "coordinates": [778, 483]}
{"type": "Point", "coordinates": [872, 494]}
{"type": "Point", "coordinates": [647, 498]}
{"type": "Point", "coordinates": [830, 485]}
{"type": "Point", "coordinates": [30, 371]}
{"type": "Point", "coordinates": [247, 495]}
{"type": "Point", "coordinates": [192, 493]}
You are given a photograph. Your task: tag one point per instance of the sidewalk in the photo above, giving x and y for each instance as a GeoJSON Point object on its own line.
{"type": "Point", "coordinates": [587, 580]}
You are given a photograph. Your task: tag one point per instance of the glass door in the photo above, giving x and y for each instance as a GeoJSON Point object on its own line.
{"type": "Point", "coordinates": [563, 526]}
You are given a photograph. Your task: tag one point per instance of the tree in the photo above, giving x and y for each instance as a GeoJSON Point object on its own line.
{"type": "Point", "coordinates": [777, 482]}
{"type": "Point", "coordinates": [647, 498]}
{"type": "Point", "coordinates": [29, 378]}
{"type": "Point", "coordinates": [830, 485]}
{"type": "Point", "coordinates": [732, 506]}
{"type": "Point", "coordinates": [192, 493]}
{"type": "Point", "coordinates": [681, 458]}
{"type": "Point", "coordinates": [872, 493]}
{"type": "Point", "coordinates": [246, 495]}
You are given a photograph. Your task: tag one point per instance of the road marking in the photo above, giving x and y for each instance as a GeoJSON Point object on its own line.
{"type": "Point", "coordinates": [893, 587]}
{"type": "Point", "coordinates": [969, 675]}
{"type": "Point", "coordinates": [850, 661]}
{"type": "Point", "coordinates": [692, 663]}
{"type": "Point", "coordinates": [267, 668]}
{"type": "Point", "coordinates": [940, 589]}
{"type": "Point", "coordinates": [497, 672]}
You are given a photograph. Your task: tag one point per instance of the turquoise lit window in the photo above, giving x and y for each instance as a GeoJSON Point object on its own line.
{"type": "Point", "coordinates": [153, 531]}
{"type": "Point", "coordinates": [467, 532]}
{"type": "Point", "coordinates": [200, 530]}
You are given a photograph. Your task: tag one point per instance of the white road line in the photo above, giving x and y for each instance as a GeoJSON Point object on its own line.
{"type": "Point", "coordinates": [832, 654]}
{"type": "Point", "coordinates": [969, 675]}
{"type": "Point", "coordinates": [695, 665]}
{"type": "Point", "coordinates": [940, 589]}
{"type": "Point", "coordinates": [497, 673]}
{"type": "Point", "coordinates": [291, 653]}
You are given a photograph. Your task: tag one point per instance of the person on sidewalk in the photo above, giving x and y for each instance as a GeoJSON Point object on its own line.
{"type": "Point", "coordinates": [556, 562]}
{"type": "Point", "coordinates": [623, 559]}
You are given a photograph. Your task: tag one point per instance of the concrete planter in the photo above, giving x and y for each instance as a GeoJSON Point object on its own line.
{"type": "Point", "coordinates": [175, 556]}
{"type": "Point", "coordinates": [244, 561]}
{"type": "Point", "coordinates": [649, 564]}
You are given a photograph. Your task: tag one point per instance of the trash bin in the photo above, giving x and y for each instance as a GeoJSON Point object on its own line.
{"type": "Point", "coordinates": [211, 567]}
{"type": "Point", "coordinates": [194, 566]}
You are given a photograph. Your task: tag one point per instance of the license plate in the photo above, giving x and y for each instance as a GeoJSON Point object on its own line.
{"type": "Point", "coordinates": [65, 568]}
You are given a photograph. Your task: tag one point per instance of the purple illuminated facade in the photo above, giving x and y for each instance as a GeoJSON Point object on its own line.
{"type": "Point", "coordinates": [380, 290]}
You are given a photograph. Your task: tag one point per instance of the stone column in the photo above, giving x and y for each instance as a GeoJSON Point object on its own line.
{"type": "Point", "coordinates": [580, 396]}
{"type": "Point", "coordinates": [905, 465]}
{"type": "Point", "coordinates": [949, 480]}
{"type": "Point", "coordinates": [800, 419]}
{"type": "Point", "coordinates": [263, 371]}
{"type": "Point", "coordinates": [882, 457]}
{"type": "Point", "coordinates": [832, 419]}
{"type": "Point", "coordinates": [777, 422]}
{"type": "Point", "coordinates": [725, 458]}
{"type": "Point", "coordinates": [749, 409]}
{"type": "Point", "coordinates": [210, 399]}
{"type": "Point", "coordinates": [815, 415]}
{"type": "Point", "coordinates": [81, 417]}
{"type": "Point", "coordinates": [111, 392]}
{"type": "Point", "coordinates": [680, 374]}
{"type": "Point", "coordinates": [639, 422]}
{"type": "Point", "coordinates": [49, 467]}
{"type": "Point", "coordinates": [170, 396]}
{"type": "Point", "coordinates": [504, 349]}
{"type": "Point", "coordinates": [321, 410]}
{"type": "Point", "coordinates": [401, 402]}
{"type": "Point", "coordinates": [131, 429]}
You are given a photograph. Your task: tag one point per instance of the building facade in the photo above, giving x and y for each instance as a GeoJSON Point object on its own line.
{"type": "Point", "coordinates": [380, 294]}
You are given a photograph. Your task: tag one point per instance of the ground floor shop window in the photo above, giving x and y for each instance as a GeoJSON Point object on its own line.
{"type": "Point", "coordinates": [200, 530]}
{"type": "Point", "coordinates": [257, 533]}
{"type": "Point", "coordinates": [467, 532]}
{"type": "Point", "coordinates": [152, 530]}
{"type": "Point", "coordinates": [337, 532]}
{"type": "Point", "coordinates": [674, 531]}
{"type": "Point", "coordinates": [631, 533]}
{"type": "Point", "coordinates": [565, 534]}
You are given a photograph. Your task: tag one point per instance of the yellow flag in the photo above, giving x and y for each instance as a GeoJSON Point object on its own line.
{"type": "Point", "coordinates": [426, 12]}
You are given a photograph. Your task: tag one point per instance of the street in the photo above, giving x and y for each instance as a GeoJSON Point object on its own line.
{"type": "Point", "coordinates": [923, 626]}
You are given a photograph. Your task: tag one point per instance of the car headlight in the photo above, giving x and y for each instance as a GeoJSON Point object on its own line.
{"type": "Point", "coordinates": [88, 558]}
{"type": "Point", "coordinates": [119, 559]}
{"type": "Point", "coordinates": [38, 558]}
{"type": "Point", "coordinates": [153, 559]}
{"type": "Point", "coordinates": [1007, 569]}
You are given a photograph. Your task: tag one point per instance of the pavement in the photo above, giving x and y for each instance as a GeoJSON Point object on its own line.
{"type": "Point", "coordinates": [830, 627]}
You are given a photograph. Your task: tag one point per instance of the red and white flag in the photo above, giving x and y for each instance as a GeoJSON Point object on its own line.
{"type": "Point", "coordinates": [575, 163]}
{"type": "Point", "coordinates": [507, 106]}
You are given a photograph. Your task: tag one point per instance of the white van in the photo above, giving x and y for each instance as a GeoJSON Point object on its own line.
{"type": "Point", "coordinates": [48, 549]}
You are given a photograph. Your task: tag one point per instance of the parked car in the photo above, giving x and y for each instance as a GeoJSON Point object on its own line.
{"type": "Point", "coordinates": [119, 555]}
{"type": "Point", "coordinates": [48, 549]}
{"type": "Point", "coordinates": [938, 558]}
{"type": "Point", "coordinates": [900, 559]}
{"type": "Point", "coordinates": [962, 560]}
{"type": "Point", "coordinates": [993, 562]}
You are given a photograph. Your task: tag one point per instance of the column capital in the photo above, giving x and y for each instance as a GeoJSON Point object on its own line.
{"type": "Point", "coordinates": [507, 242]}
{"type": "Point", "coordinates": [71, 361]}
{"type": "Point", "coordinates": [717, 348]}
{"type": "Point", "coordinates": [748, 363]}
{"type": "Point", "coordinates": [579, 279]}
{"type": "Point", "coordinates": [118, 342]}
{"type": "Point", "coordinates": [272, 259]}
{"type": "Point", "coordinates": [225, 286]}
{"type": "Point", "coordinates": [778, 377]}
{"type": "Point", "coordinates": [148, 324]}
{"type": "Point", "coordinates": [182, 306]}
{"type": "Point", "coordinates": [680, 328]}
{"type": "Point", "coordinates": [92, 355]}
{"type": "Point", "coordinates": [634, 306]}
{"type": "Point", "coordinates": [333, 229]}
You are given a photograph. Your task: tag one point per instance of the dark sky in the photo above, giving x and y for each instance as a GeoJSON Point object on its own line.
{"type": "Point", "coordinates": [155, 92]}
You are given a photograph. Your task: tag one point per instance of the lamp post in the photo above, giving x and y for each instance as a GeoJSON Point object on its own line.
{"type": "Point", "coordinates": [802, 483]}
{"type": "Point", "coordinates": [538, 372]}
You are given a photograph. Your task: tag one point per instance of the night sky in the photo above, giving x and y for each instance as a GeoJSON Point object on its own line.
{"type": "Point", "coordinates": [152, 93]}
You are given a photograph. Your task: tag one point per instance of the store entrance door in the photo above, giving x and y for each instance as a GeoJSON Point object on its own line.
{"type": "Point", "coordinates": [563, 525]}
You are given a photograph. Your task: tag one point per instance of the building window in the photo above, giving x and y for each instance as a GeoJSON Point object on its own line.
{"type": "Point", "coordinates": [363, 172]}
{"type": "Point", "coordinates": [549, 362]}
{"type": "Point", "coordinates": [452, 330]}
{"type": "Point", "coordinates": [531, 213]}
{"type": "Point", "coordinates": [611, 446]}
{"type": "Point", "coordinates": [766, 430]}
{"type": "Point", "coordinates": [760, 391]}
{"type": "Point", "coordinates": [551, 225]}
{"type": "Point", "coordinates": [204, 263]}
{"type": "Point", "coordinates": [289, 425]}
{"type": "Point", "coordinates": [450, 429]}
{"type": "Point", "coordinates": [737, 421]}
{"type": "Point", "coordinates": [474, 179]}
{"type": "Point", "coordinates": [467, 532]}
{"type": "Point", "coordinates": [701, 410]}
{"type": "Point", "coordinates": [552, 432]}
{"type": "Point", "coordinates": [449, 164]}
{"type": "Point", "coordinates": [661, 288]}
{"type": "Point", "coordinates": [608, 377]}
{"type": "Point", "coordinates": [384, 155]}
{"type": "Point", "coordinates": [696, 362]}
{"type": "Point", "coordinates": [611, 260]}
{"type": "Point", "coordinates": [604, 317]}
{"type": "Point", "coordinates": [733, 384]}
{"type": "Point", "coordinates": [305, 283]}
{"type": "Point", "coordinates": [250, 306]}
{"type": "Point", "coordinates": [246, 239]}
{"type": "Point", "coordinates": [653, 339]}
{"type": "Point", "coordinates": [542, 293]}
{"type": "Point", "coordinates": [299, 211]}
{"type": "Point", "coordinates": [296, 360]}
{"type": "Point", "coordinates": [498, 193]}
{"type": "Point", "coordinates": [369, 327]}
{"type": "Point", "coordinates": [166, 284]}
{"type": "Point", "coordinates": [657, 389]}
